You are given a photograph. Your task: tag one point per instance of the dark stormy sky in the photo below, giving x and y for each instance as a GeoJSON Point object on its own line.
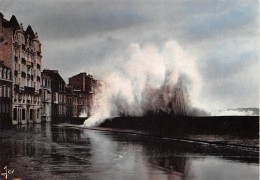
{"type": "Point", "coordinates": [86, 35]}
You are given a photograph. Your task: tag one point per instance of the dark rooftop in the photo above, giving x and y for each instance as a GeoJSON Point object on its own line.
{"type": "Point", "coordinates": [14, 23]}
{"type": "Point", "coordinates": [54, 74]}
{"type": "Point", "coordinates": [29, 31]}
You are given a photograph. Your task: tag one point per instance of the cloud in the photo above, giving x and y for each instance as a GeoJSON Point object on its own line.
{"type": "Point", "coordinates": [87, 35]}
{"type": "Point", "coordinates": [218, 20]}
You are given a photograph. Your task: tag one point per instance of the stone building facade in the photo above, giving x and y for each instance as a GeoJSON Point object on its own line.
{"type": "Point", "coordinates": [84, 86]}
{"type": "Point", "coordinates": [72, 102]}
{"type": "Point", "coordinates": [46, 98]}
{"type": "Point", "coordinates": [20, 50]}
{"type": "Point", "coordinates": [5, 95]}
{"type": "Point", "coordinates": [58, 97]}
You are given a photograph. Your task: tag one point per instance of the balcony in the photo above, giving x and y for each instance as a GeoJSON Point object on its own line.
{"type": "Point", "coordinates": [23, 61]}
{"type": "Point", "coordinates": [23, 74]}
{"type": "Point", "coordinates": [29, 90]}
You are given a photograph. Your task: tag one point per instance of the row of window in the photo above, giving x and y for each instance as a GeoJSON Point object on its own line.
{"type": "Point", "coordinates": [27, 57]}
{"type": "Point", "coordinates": [24, 98]}
{"type": "Point", "coordinates": [23, 82]}
{"type": "Point", "coordinates": [22, 68]}
{"type": "Point", "coordinates": [59, 110]}
{"type": "Point", "coordinates": [5, 73]}
{"type": "Point", "coordinates": [62, 110]}
{"type": "Point", "coordinates": [20, 39]}
{"type": "Point", "coordinates": [61, 87]}
{"type": "Point", "coordinates": [46, 82]}
{"type": "Point", "coordinates": [20, 114]}
{"type": "Point", "coordinates": [46, 96]}
{"type": "Point", "coordinates": [5, 91]}
{"type": "Point", "coordinates": [59, 98]}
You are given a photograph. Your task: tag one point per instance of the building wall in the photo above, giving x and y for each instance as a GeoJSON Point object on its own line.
{"type": "Point", "coordinates": [75, 106]}
{"type": "Point", "coordinates": [5, 96]}
{"type": "Point", "coordinates": [46, 96]}
{"type": "Point", "coordinates": [6, 48]}
{"type": "Point", "coordinates": [71, 102]}
{"type": "Point", "coordinates": [27, 78]}
{"type": "Point", "coordinates": [78, 82]}
{"type": "Point", "coordinates": [84, 86]}
{"type": "Point", "coordinates": [59, 99]}
{"type": "Point", "coordinates": [58, 95]}
{"type": "Point", "coordinates": [22, 53]}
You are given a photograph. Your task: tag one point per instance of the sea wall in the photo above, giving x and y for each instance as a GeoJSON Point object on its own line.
{"type": "Point", "coordinates": [244, 126]}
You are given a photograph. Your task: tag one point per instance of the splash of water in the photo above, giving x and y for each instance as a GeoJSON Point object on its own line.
{"type": "Point", "coordinates": [234, 113]}
{"type": "Point", "coordinates": [151, 80]}
{"type": "Point", "coordinates": [83, 114]}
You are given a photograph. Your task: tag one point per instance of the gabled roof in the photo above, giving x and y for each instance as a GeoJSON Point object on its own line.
{"type": "Point", "coordinates": [6, 23]}
{"type": "Point", "coordinates": [14, 23]}
{"type": "Point", "coordinates": [29, 31]}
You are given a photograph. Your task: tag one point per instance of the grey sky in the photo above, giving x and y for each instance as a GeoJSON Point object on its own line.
{"type": "Point", "coordinates": [85, 35]}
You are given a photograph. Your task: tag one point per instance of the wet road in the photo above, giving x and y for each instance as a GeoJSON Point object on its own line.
{"type": "Point", "coordinates": [51, 152]}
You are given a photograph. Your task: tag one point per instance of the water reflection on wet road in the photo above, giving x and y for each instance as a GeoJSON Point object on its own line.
{"type": "Point", "coordinates": [48, 152]}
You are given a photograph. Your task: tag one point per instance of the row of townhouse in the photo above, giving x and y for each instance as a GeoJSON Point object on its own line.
{"type": "Point", "coordinates": [30, 95]}
{"type": "Point", "coordinates": [61, 101]}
